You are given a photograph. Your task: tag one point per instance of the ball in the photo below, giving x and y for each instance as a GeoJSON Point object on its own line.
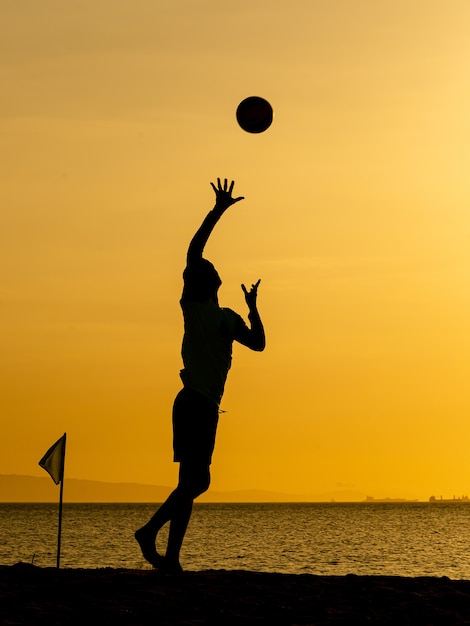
{"type": "Point", "coordinates": [254, 114]}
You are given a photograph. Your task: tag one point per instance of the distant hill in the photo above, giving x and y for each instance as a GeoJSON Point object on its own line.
{"type": "Point", "coordinates": [19, 488]}
{"type": "Point", "coordinates": [14, 488]}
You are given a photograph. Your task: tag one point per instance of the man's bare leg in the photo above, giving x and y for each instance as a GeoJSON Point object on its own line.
{"type": "Point", "coordinates": [194, 479]}
{"type": "Point", "coordinates": [146, 536]}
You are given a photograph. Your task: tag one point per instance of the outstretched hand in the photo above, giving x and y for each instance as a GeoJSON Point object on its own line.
{"type": "Point", "coordinates": [223, 194]}
{"type": "Point", "coordinates": [250, 296]}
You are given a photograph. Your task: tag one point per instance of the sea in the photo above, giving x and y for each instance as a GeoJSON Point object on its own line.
{"type": "Point", "coordinates": [333, 539]}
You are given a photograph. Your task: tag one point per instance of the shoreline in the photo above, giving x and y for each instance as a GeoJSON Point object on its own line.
{"type": "Point", "coordinates": [31, 595]}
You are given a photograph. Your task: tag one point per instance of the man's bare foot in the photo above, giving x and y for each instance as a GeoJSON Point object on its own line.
{"type": "Point", "coordinates": [168, 566]}
{"type": "Point", "coordinates": [146, 541]}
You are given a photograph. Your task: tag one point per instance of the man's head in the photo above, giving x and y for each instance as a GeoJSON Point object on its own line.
{"type": "Point", "coordinates": [204, 278]}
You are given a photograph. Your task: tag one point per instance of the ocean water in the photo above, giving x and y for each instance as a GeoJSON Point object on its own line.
{"type": "Point", "coordinates": [404, 539]}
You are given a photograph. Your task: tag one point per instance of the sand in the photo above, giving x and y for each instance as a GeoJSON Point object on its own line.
{"type": "Point", "coordinates": [32, 596]}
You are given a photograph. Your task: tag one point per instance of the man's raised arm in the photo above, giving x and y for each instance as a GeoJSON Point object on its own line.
{"type": "Point", "coordinates": [252, 337]}
{"type": "Point", "coordinates": [223, 200]}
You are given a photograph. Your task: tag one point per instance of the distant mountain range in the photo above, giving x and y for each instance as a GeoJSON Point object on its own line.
{"type": "Point", "coordinates": [20, 488]}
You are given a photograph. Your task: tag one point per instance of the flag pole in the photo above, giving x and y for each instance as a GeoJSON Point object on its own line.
{"type": "Point", "coordinates": [61, 501]}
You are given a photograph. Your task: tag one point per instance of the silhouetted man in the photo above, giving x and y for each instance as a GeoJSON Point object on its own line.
{"type": "Point", "coordinates": [209, 332]}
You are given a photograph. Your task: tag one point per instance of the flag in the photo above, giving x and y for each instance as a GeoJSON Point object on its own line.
{"type": "Point", "coordinates": [53, 460]}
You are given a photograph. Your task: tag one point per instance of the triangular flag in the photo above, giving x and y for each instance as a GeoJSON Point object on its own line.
{"type": "Point", "coordinates": [53, 460]}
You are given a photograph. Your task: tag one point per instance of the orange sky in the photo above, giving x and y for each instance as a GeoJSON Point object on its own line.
{"type": "Point", "coordinates": [356, 218]}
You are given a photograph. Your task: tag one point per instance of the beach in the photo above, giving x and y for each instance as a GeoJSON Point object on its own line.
{"type": "Point", "coordinates": [31, 595]}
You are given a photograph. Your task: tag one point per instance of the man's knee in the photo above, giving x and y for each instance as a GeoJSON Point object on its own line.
{"type": "Point", "coordinates": [201, 485]}
{"type": "Point", "coordinates": [194, 479]}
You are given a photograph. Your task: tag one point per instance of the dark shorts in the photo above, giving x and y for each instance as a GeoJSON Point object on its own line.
{"type": "Point", "coordinates": [194, 427]}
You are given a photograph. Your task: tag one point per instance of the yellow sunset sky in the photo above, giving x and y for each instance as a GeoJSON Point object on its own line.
{"type": "Point", "coordinates": [114, 118]}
